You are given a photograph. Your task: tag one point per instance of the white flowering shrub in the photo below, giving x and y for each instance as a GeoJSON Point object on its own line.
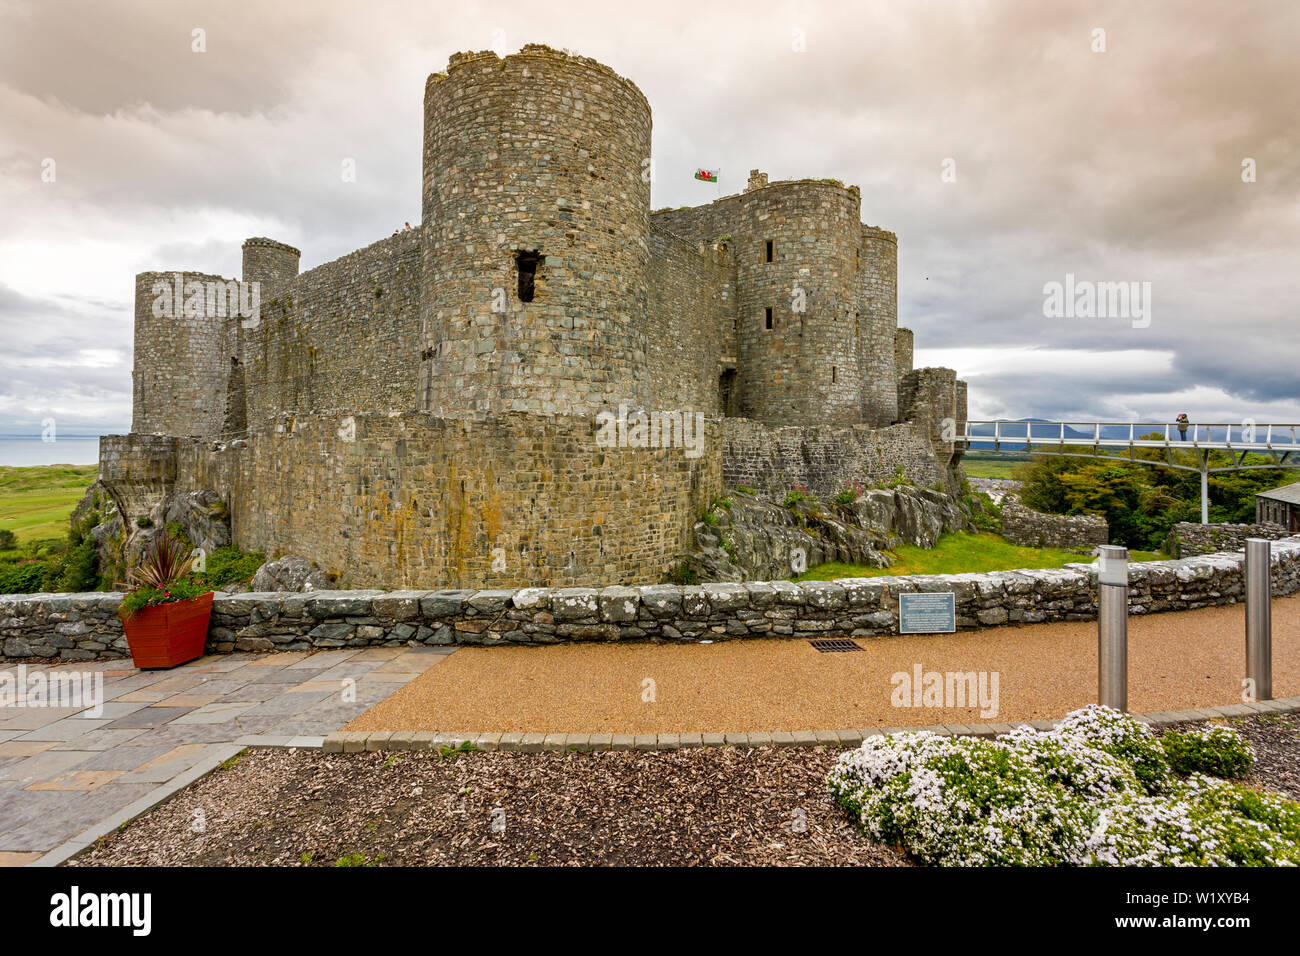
{"type": "Point", "coordinates": [1122, 736]}
{"type": "Point", "coordinates": [1097, 790]}
{"type": "Point", "coordinates": [1201, 821]}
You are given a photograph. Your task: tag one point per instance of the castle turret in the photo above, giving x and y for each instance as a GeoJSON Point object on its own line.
{"type": "Point", "coordinates": [535, 219]}
{"type": "Point", "coordinates": [878, 320]}
{"type": "Point", "coordinates": [796, 277]}
{"type": "Point", "coordinates": [184, 338]}
{"type": "Point", "coordinates": [271, 263]}
{"type": "Point", "coordinates": [902, 365]}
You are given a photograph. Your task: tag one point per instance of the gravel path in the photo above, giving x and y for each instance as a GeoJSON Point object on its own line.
{"type": "Point", "coordinates": [762, 807]}
{"type": "Point", "coordinates": [1177, 660]}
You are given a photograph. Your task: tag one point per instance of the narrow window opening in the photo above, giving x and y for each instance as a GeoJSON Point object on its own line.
{"type": "Point", "coordinates": [526, 263]}
{"type": "Point", "coordinates": [767, 317]}
{"type": "Point", "coordinates": [767, 252]}
{"type": "Point", "coordinates": [833, 374]}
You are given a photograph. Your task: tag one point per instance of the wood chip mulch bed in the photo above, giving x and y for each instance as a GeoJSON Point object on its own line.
{"type": "Point", "coordinates": [726, 806]}
{"type": "Point", "coordinates": [1276, 741]}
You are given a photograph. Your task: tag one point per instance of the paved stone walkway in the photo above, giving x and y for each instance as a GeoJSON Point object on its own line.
{"type": "Point", "coordinates": [63, 771]}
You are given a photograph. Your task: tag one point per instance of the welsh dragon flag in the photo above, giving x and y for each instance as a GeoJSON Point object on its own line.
{"type": "Point", "coordinates": [707, 175]}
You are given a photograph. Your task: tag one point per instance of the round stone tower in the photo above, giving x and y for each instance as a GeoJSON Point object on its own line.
{"type": "Point", "coordinates": [536, 236]}
{"type": "Point", "coordinates": [878, 307]}
{"type": "Point", "coordinates": [796, 278]}
{"type": "Point", "coordinates": [271, 263]}
{"type": "Point", "coordinates": [183, 344]}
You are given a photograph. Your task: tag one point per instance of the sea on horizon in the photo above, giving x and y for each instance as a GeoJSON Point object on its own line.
{"type": "Point", "coordinates": [28, 450]}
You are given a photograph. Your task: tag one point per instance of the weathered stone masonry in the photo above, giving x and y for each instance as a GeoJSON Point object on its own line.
{"type": "Point", "coordinates": [1033, 529]}
{"type": "Point", "coordinates": [1187, 539]}
{"type": "Point", "coordinates": [377, 402]}
{"type": "Point", "coordinates": [78, 626]}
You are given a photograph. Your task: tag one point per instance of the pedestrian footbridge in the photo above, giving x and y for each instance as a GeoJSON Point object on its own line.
{"type": "Point", "coordinates": [1279, 443]}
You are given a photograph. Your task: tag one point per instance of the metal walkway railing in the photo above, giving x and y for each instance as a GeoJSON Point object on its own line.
{"type": "Point", "coordinates": [1278, 442]}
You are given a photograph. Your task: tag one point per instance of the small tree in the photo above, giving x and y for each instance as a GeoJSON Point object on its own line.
{"type": "Point", "coordinates": [8, 540]}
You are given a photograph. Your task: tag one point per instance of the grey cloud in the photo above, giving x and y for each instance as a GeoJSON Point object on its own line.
{"type": "Point", "coordinates": [1114, 166]}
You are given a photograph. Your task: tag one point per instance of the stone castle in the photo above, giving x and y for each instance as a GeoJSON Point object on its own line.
{"type": "Point", "coordinates": [424, 411]}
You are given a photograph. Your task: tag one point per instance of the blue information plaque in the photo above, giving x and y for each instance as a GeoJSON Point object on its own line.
{"type": "Point", "coordinates": [927, 613]}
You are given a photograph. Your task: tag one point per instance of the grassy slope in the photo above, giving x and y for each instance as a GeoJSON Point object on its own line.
{"type": "Point", "coordinates": [957, 553]}
{"type": "Point", "coordinates": [35, 502]}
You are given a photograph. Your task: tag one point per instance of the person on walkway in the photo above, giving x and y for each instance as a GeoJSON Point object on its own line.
{"type": "Point", "coordinates": [1182, 426]}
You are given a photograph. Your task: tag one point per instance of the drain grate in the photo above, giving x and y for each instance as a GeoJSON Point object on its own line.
{"type": "Point", "coordinates": [835, 646]}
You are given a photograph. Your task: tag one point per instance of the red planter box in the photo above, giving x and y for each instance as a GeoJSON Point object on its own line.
{"type": "Point", "coordinates": [166, 635]}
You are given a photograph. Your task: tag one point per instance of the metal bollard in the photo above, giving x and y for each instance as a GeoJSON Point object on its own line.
{"type": "Point", "coordinates": [1112, 627]}
{"type": "Point", "coordinates": [1259, 617]}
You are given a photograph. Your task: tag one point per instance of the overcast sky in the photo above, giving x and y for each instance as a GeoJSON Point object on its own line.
{"type": "Point", "coordinates": [1122, 165]}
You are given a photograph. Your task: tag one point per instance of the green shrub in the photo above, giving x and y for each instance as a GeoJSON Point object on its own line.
{"type": "Point", "coordinates": [22, 577]}
{"type": "Point", "coordinates": [8, 540]}
{"type": "Point", "coordinates": [51, 566]}
{"type": "Point", "coordinates": [1217, 751]}
{"type": "Point", "coordinates": [985, 513]}
{"type": "Point", "coordinates": [746, 490]}
{"type": "Point", "coordinates": [683, 574]}
{"type": "Point", "coordinates": [900, 478]}
{"type": "Point", "coordinates": [77, 569]}
{"type": "Point", "coordinates": [229, 565]}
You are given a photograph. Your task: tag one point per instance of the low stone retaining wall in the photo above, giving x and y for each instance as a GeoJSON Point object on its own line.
{"type": "Point", "coordinates": [1033, 529]}
{"type": "Point", "coordinates": [84, 626]}
{"type": "Point", "coordinates": [1188, 539]}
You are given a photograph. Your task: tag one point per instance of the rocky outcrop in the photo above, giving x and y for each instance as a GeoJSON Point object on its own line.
{"type": "Point", "coordinates": [916, 516]}
{"type": "Point", "coordinates": [747, 538]}
{"type": "Point", "coordinates": [290, 573]}
{"type": "Point", "coordinates": [202, 515]}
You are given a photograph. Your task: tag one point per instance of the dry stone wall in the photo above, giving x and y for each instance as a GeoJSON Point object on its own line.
{"type": "Point", "coordinates": [1187, 539]}
{"type": "Point", "coordinates": [43, 625]}
{"type": "Point", "coordinates": [1032, 529]}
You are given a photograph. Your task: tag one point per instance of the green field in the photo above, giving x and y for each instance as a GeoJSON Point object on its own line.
{"type": "Point", "coordinates": [36, 502]}
{"type": "Point", "coordinates": [991, 464]}
{"type": "Point", "coordinates": [962, 552]}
